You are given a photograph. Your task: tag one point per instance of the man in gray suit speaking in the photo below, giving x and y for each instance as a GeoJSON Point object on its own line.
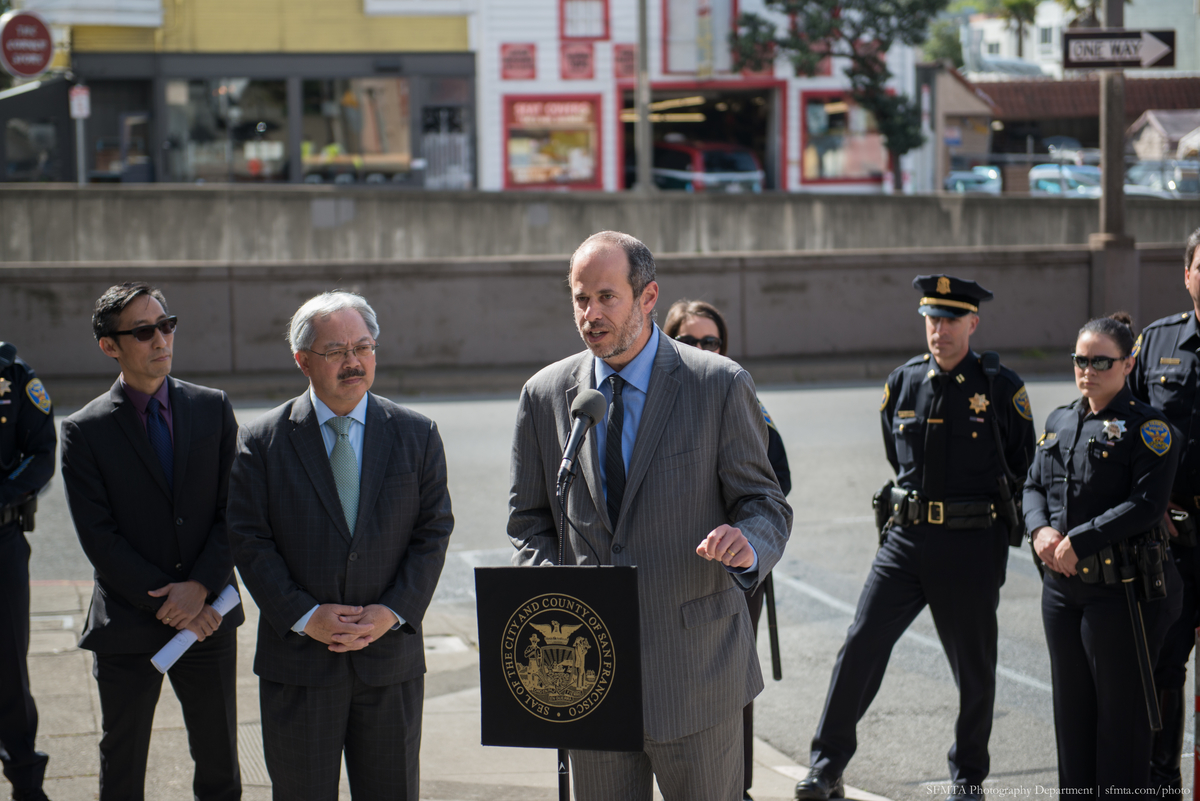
{"type": "Point", "coordinates": [339, 518]}
{"type": "Point", "coordinates": [676, 481]}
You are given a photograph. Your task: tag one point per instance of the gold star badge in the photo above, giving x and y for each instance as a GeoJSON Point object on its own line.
{"type": "Point", "coordinates": [979, 403]}
{"type": "Point", "coordinates": [5, 386]}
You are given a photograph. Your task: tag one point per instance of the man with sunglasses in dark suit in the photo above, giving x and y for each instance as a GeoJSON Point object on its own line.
{"type": "Point", "coordinates": [1165, 374]}
{"type": "Point", "coordinates": [146, 468]}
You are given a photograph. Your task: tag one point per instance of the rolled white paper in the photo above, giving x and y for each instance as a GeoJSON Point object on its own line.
{"type": "Point", "coordinates": [170, 653]}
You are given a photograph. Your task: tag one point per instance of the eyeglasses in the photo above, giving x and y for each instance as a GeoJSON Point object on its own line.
{"type": "Point", "coordinates": [706, 343]}
{"type": "Point", "coordinates": [145, 333]}
{"type": "Point", "coordinates": [1098, 363]}
{"type": "Point", "coordinates": [339, 354]}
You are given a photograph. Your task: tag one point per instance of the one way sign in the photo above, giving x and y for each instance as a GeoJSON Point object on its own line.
{"type": "Point", "coordinates": [1100, 48]}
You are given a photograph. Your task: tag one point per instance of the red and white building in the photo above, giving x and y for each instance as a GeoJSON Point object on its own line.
{"type": "Point", "coordinates": [555, 83]}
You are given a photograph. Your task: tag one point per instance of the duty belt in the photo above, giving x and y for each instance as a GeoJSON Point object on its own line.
{"type": "Point", "coordinates": [911, 508]}
{"type": "Point", "coordinates": [8, 514]}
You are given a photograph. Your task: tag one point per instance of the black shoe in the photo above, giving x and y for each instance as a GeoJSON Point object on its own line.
{"type": "Point", "coordinates": [34, 795]}
{"type": "Point", "coordinates": [746, 796]}
{"type": "Point", "coordinates": [962, 792]}
{"type": "Point", "coordinates": [818, 785]}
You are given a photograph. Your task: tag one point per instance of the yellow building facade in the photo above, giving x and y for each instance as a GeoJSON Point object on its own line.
{"type": "Point", "coordinates": [315, 91]}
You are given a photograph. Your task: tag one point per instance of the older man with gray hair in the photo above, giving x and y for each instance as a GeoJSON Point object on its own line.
{"type": "Point", "coordinates": [339, 518]}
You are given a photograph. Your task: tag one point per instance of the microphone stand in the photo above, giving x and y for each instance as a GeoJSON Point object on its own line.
{"type": "Point", "coordinates": [562, 491]}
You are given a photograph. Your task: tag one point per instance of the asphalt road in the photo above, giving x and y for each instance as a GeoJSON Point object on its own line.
{"type": "Point", "coordinates": [836, 455]}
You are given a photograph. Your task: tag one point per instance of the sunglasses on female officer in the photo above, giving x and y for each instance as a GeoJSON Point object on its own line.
{"type": "Point", "coordinates": [144, 333]}
{"type": "Point", "coordinates": [1098, 363]}
{"type": "Point", "coordinates": [704, 343]}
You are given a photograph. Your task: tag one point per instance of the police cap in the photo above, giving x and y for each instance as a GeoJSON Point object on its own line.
{"type": "Point", "coordinates": [947, 296]}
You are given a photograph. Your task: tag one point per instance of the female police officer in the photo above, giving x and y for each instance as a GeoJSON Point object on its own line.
{"type": "Point", "coordinates": [1099, 482]}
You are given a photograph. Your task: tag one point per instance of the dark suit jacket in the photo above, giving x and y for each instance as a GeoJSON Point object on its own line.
{"type": "Point", "coordinates": [137, 534]}
{"type": "Point", "coordinates": [294, 549]}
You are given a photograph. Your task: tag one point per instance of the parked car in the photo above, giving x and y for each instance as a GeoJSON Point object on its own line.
{"type": "Point", "coordinates": [1065, 180]}
{"type": "Point", "coordinates": [703, 167]}
{"type": "Point", "coordinates": [982, 179]}
{"type": "Point", "coordinates": [1172, 179]}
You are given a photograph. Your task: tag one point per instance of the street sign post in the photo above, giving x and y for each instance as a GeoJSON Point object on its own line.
{"type": "Point", "coordinates": [26, 48]}
{"type": "Point", "coordinates": [1100, 48]}
{"type": "Point", "coordinates": [80, 100]}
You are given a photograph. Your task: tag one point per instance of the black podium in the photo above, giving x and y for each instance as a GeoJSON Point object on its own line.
{"type": "Point", "coordinates": [560, 657]}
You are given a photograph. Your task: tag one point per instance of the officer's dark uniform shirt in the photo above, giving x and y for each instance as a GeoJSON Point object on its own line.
{"type": "Point", "coordinates": [1099, 478]}
{"type": "Point", "coordinates": [27, 438]}
{"type": "Point", "coordinates": [972, 464]}
{"type": "Point", "coordinates": [1165, 374]}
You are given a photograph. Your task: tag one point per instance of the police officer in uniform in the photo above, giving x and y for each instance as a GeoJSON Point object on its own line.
{"type": "Point", "coordinates": [27, 443]}
{"type": "Point", "coordinates": [1165, 375]}
{"type": "Point", "coordinates": [1099, 483]}
{"type": "Point", "coordinates": [946, 545]}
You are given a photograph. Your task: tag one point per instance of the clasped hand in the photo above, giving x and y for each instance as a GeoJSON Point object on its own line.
{"type": "Point", "coordinates": [349, 628]}
{"type": "Point", "coordinates": [1055, 550]}
{"type": "Point", "coordinates": [727, 545]}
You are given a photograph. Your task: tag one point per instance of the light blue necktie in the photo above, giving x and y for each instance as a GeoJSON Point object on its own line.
{"type": "Point", "coordinates": [345, 469]}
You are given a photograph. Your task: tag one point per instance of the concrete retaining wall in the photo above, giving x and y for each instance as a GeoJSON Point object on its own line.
{"type": "Point", "coordinates": [156, 223]}
{"type": "Point", "coordinates": [494, 313]}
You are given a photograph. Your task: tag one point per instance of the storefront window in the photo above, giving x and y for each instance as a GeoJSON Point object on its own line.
{"type": "Point", "coordinates": [841, 141]}
{"type": "Point", "coordinates": [552, 141]}
{"type": "Point", "coordinates": [227, 129]}
{"type": "Point", "coordinates": [30, 151]}
{"type": "Point", "coordinates": [357, 130]}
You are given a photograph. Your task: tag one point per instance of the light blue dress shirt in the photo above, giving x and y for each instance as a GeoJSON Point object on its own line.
{"type": "Point", "coordinates": [329, 437]}
{"type": "Point", "coordinates": [637, 382]}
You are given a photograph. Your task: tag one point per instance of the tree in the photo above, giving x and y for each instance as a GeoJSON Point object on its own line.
{"type": "Point", "coordinates": [943, 43]}
{"type": "Point", "coordinates": [1019, 14]}
{"type": "Point", "coordinates": [860, 31]}
{"type": "Point", "coordinates": [1086, 12]}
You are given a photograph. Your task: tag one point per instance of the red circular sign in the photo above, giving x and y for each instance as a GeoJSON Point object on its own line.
{"type": "Point", "coordinates": [26, 48]}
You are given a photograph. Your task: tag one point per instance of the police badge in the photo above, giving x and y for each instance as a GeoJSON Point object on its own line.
{"type": "Point", "coordinates": [1114, 429]}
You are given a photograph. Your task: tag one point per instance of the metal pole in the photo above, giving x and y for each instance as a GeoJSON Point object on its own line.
{"type": "Point", "coordinates": [1112, 136]}
{"type": "Point", "coordinates": [643, 136]}
{"type": "Point", "coordinates": [564, 776]}
{"type": "Point", "coordinates": [80, 162]}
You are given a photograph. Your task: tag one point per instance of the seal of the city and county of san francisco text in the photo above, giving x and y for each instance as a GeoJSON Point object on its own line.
{"type": "Point", "coordinates": [558, 657]}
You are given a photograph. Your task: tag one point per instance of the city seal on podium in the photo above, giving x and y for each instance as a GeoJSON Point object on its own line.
{"type": "Point", "coordinates": [558, 656]}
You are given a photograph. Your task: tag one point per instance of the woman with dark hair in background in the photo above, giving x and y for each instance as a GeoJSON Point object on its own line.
{"type": "Point", "coordinates": [1094, 505]}
{"type": "Point", "coordinates": [699, 324]}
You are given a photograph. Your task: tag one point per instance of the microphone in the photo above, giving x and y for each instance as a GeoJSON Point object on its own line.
{"type": "Point", "coordinates": [587, 410]}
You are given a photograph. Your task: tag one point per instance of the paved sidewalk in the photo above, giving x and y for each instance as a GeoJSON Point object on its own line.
{"type": "Point", "coordinates": [454, 766]}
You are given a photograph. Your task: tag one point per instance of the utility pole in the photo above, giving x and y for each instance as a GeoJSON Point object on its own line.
{"type": "Point", "coordinates": [1116, 266]}
{"type": "Point", "coordinates": [643, 137]}
{"type": "Point", "coordinates": [1112, 136]}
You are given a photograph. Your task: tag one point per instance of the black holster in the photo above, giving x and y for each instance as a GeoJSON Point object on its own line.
{"type": "Point", "coordinates": [27, 511]}
{"type": "Point", "coordinates": [1144, 553]}
{"type": "Point", "coordinates": [1185, 526]}
{"type": "Point", "coordinates": [881, 502]}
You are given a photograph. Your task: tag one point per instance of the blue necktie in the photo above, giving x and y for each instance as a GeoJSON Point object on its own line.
{"type": "Point", "coordinates": [160, 441]}
{"type": "Point", "coordinates": [614, 459]}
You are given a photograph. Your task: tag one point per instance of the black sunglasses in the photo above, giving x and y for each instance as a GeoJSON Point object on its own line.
{"type": "Point", "coordinates": [707, 343]}
{"type": "Point", "coordinates": [1098, 363]}
{"type": "Point", "coordinates": [145, 333]}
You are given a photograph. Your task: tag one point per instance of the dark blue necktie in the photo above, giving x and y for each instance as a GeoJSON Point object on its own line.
{"type": "Point", "coordinates": [160, 440]}
{"type": "Point", "coordinates": [614, 459]}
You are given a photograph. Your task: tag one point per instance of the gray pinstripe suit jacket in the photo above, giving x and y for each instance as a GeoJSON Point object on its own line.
{"type": "Point", "coordinates": [294, 549]}
{"type": "Point", "coordinates": [700, 460]}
